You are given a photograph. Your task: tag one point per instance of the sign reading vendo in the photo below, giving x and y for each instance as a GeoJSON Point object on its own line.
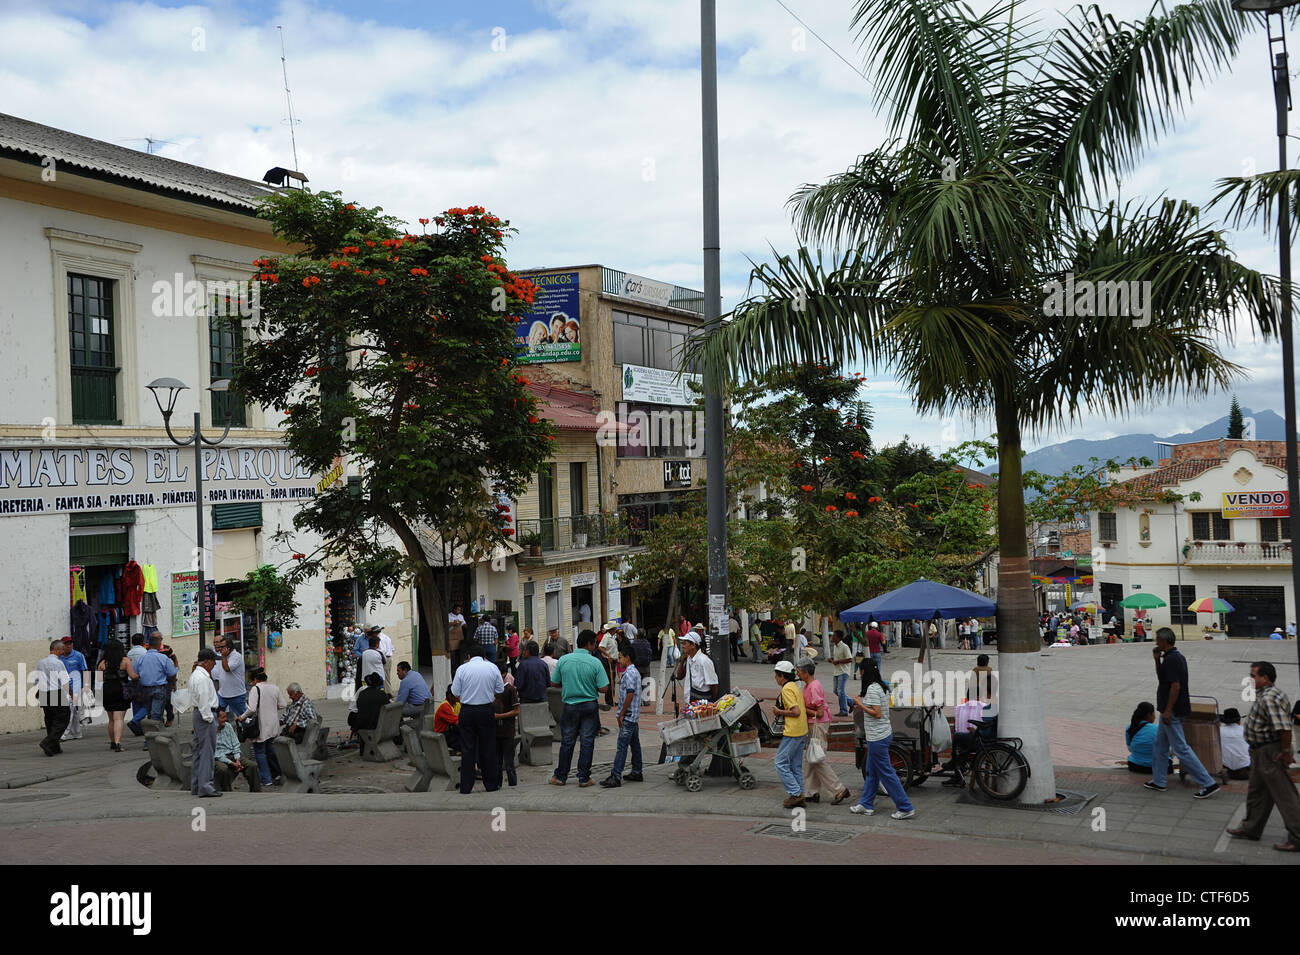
{"type": "Point", "coordinates": [1255, 504]}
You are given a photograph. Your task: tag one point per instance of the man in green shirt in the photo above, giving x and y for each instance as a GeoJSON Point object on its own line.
{"type": "Point", "coordinates": [580, 677]}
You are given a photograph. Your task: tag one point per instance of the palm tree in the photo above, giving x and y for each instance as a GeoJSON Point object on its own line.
{"type": "Point", "coordinates": [937, 252]}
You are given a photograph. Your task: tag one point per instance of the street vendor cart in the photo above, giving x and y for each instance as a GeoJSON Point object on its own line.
{"type": "Point", "coordinates": [713, 731]}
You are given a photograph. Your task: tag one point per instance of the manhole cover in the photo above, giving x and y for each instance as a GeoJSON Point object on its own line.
{"type": "Point", "coordinates": [783, 830]}
{"type": "Point", "coordinates": [343, 790]}
{"type": "Point", "coordinates": [1071, 803]}
{"type": "Point", "coordinates": [33, 797]}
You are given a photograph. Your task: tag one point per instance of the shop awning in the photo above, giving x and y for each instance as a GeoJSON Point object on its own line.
{"type": "Point", "coordinates": [432, 543]}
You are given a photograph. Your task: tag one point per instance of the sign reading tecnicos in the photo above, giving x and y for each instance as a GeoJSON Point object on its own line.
{"type": "Point", "coordinates": [551, 329]}
{"type": "Point", "coordinates": [658, 386]}
{"type": "Point", "coordinates": [71, 480]}
{"type": "Point", "coordinates": [1255, 504]}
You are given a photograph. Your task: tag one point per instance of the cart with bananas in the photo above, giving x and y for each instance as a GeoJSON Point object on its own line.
{"type": "Point", "coordinates": [712, 731]}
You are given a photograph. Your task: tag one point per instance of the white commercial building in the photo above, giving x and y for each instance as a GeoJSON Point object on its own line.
{"type": "Point", "coordinates": [1231, 542]}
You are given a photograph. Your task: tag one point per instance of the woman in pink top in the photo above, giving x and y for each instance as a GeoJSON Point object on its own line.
{"type": "Point", "coordinates": [818, 775]}
{"type": "Point", "coordinates": [512, 650]}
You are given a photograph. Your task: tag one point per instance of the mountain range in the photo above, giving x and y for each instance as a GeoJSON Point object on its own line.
{"type": "Point", "coordinates": [1058, 458]}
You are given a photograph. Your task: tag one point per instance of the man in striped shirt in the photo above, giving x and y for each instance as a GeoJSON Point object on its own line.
{"type": "Point", "coordinates": [1268, 734]}
{"type": "Point", "coordinates": [486, 636]}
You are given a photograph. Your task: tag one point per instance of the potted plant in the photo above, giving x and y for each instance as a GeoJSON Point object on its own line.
{"type": "Point", "coordinates": [580, 531]}
{"type": "Point", "coordinates": [533, 541]}
{"type": "Point", "coordinates": [1198, 543]}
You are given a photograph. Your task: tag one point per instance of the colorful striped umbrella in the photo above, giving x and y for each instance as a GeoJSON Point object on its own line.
{"type": "Point", "coordinates": [1211, 605]}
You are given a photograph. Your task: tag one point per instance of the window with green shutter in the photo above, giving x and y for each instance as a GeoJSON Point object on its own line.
{"type": "Point", "coordinates": [226, 348]}
{"type": "Point", "coordinates": [227, 517]}
{"type": "Point", "coordinates": [92, 348]}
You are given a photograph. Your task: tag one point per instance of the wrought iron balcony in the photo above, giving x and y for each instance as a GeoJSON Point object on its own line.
{"type": "Point", "coordinates": [539, 536]}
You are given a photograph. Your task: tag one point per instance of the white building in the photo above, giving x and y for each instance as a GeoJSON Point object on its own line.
{"type": "Point", "coordinates": [1234, 542]}
{"type": "Point", "coordinates": [97, 243]}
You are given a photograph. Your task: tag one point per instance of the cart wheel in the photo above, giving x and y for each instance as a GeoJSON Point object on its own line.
{"type": "Point", "coordinates": [677, 776]}
{"type": "Point", "coordinates": [694, 784]}
{"type": "Point", "coordinates": [747, 779]}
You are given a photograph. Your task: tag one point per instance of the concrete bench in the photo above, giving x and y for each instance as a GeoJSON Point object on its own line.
{"type": "Point", "coordinates": [437, 761]}
{"type": "Point", "coordinates": [416, 722]}
{"type": "Point", "coordinates": [301, 773]}
{"type": "Point", "coordinates": [377, 745]}
{"type": "Point", "coordinates": [414, 746]}
{"type": "Point", "coordinates": [170, 766]}
{"type": "Point", "coordinates": [535, 734]}
{"type": "Point", "coordinates": [555, 702]}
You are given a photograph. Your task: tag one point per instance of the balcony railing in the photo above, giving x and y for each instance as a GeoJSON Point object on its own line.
{"type": "Point", "coordinates": [688, 299]}
{"type": "Point", "coordinates": [1239, 552]}
{"type": "Point", "coordinates": [570, 533]}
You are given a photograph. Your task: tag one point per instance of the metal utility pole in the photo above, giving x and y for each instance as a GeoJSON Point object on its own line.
{"type": "Point", "coordinates": [714, 423]}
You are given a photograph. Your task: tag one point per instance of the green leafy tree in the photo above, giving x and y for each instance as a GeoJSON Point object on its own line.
{"type": "Point", "coordinates": [269, 595]}
{"type": "Point", "coordinates": [950, 246]}
{"type": "Point", "coordinates": [397, 351]}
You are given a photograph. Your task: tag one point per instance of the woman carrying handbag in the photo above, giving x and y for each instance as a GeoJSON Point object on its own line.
{"type": "Point", "coordinates": [261, 724]}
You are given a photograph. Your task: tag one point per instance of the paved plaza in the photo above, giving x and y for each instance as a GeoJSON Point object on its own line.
{"type": "Point", "coordinates": [1090, 693]}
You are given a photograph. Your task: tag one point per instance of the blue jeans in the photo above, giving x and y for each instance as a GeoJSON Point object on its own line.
{"type": "Point", "coordinates": [578, 720]}
{"type": "Point", "coordinates": [235, 705]}
{"type": "Point", "coordinates": [842, 681]}
{"type": "Point", "coordinates": [789, 763]}
{"type": "Point", "coordinates": [154, 699]}
{"type": "Point", "coordinates": [629, 737]}
{"type": "Point", "coordinates": [268, 766]}
{"type": "Point", "coordinates": [1171, 738]}
{"type": "Point", "coordinates": [881, 772]}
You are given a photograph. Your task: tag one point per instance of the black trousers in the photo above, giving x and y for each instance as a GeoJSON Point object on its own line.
{"type": "Point", "coordinates": [56, 722]}
{"type": "Point", "coordinates": [478, 745]}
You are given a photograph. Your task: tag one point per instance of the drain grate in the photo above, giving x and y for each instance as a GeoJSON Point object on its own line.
{"type": "Point", "coordinates": [33, 797]}
{"type": "Point", "coordinates": [783, 830]}
{"type": "Point", "coordinates": [351, 790]}
{"type": "Point", "coordinates": [1071, 803]}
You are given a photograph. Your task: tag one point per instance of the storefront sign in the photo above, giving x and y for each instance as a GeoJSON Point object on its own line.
{"type": "Point", "coordinates": [659, 386]}
{"type": "Point", "coordinates": [614, 598]}
{"type": "Point", "coordinates": [550, 329]}
{"type": "Point", "coordinates": [554, 585]}
{"type": "Point", "coordinates": [677, 474]}
{"type": "Point", "coordinates": [646, 290]}
{"type": "Point", "coordinates": [1255, 504]}
{"type": "Point", "coordinates": [583, 580]}
{"type": "Point", "coordinates": [185, 604]}
{"type": "Point", "coordinates": [74, 480]}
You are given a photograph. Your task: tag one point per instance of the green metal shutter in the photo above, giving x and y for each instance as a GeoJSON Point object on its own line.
{"type": "Point", "coordinates": [98, 550]}
{"type": "Point", "coordinates": [229, 516]}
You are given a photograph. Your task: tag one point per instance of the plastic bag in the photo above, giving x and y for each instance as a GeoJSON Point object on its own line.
{"type": "Point", "coordinates": [816, 751]}
{"type": "Point", "coordinates": [940, 733]}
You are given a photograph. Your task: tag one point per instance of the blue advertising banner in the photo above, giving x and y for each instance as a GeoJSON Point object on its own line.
{"type": "Point", "coordinates": [551, 330]}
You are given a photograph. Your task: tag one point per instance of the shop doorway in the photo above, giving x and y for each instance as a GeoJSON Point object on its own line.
{"type": "Point", "coordinates": [583, 609]}
{"type": "Point", "coordinates": [1257, 610]}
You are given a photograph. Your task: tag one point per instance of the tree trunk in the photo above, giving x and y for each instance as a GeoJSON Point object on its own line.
{"type": "Point", "coordinates": [435, 613]}
{"type": "Point", "coordinates": [1020, 677]}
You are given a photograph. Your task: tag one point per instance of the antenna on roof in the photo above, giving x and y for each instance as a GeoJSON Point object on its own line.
{"type": "Point", "coordinates": [150, 143]}
{"type": "Point", "coordinates": [288, 99]}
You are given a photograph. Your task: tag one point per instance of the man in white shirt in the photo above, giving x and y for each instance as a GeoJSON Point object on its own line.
{"type": "Point", "coordinates": [801, 644]}
{"type": "Point", "coordinates": [203, 695]}
{"type": "Point", "coordinates": [372, 659]}
{"type": "Point", "coordinates": [584, 613]}
{"type": "Point", "coordinates": [696, 668]}
{"type": "Point", "coordinates": [608, 653]}
{"type": "Point", "coordinates": [52, 680]}
{"type": "Point", "coordinates": [387, 649]}
{"type": "Point", "coordinates": [476, 685]}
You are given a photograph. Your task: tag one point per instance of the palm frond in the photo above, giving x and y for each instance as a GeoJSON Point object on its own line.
{"type": "Point", "coordinates": [1254, 199]}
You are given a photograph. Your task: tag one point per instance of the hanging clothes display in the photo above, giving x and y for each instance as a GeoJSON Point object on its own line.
{"type": "Point", "coordinates": [106, 592]}
{"type": "Point", "coordinates": [132, 588]}
{"type": "Point", "coordinates": [77, 576]}
{"type": "Point", "coordinates": [149, 613]}
{"type": "Point", "coordinates": [83, 625]}
{"type": "Point", "coordinates": [150, 574]}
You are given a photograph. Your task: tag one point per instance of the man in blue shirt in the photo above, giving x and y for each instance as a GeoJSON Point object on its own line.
{"type": "Point", "coordinates": [1173, 703]}
{"type": "Point", "coordinates": [581, 677]}
{"type": "Point", "coordinates": [412, 691]}
{"type": "Point", "coordinates": [533, 676]}
{"type": "Point", "coordinates": [629, 716]}
{"type": "Point", "coordinates": [155, 671]}
{"type": "Point", "coordinates": [359, 646]}
{"type": "Point", "coordinates": [476, 685]}
{"type": "Point", "coordinates": [75, 663]}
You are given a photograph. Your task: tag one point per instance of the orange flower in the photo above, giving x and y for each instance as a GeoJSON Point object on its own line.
{"type": "Point", "coordinates": [805, 487]}
{"type": "Point", "coordinates": [850, 513]}
{"type": "Point", "coordinates": [830, 508]}
{"type": "Point", "coordinates": [349, 207]}
{"type": "Point", "coordinates": [851, 496]}
{"type": "Point", "coordinates": [381, 281]}
{"type": "Point", "coordinates": [311, 371]}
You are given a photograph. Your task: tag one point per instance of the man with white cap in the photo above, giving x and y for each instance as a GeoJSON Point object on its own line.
{"type": "Point", "coordinates": [703, 682]}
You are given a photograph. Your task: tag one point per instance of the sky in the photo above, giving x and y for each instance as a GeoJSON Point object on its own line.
{"type": "Point", "coordinates": [577, 120]}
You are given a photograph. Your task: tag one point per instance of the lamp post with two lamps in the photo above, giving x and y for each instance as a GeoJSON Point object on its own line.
{"type": "Point", "coordinates": [173, 388]}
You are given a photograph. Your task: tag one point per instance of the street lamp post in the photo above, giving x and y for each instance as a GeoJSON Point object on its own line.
{"type": "Point", "coordinates": [1282, 102]}
{"type": "Point", "coordinates": [173, 387]}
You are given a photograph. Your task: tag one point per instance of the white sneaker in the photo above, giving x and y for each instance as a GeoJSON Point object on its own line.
{"type": "Point", "coordinates": [903, 815]}
{"type": "Point", "coordinates": [861, 810]}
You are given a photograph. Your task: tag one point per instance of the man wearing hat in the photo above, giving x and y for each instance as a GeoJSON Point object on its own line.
{"type": "Point", "coordinates": [789, 756]}
{"type": "Point", "coordinates": [386, 648]}
{"type": "Point", "coordinates": [203, 694]}
{"type": "Point", "coordinates": [607, 649]}
{"type": "Point", "coordinates": [703, 681]}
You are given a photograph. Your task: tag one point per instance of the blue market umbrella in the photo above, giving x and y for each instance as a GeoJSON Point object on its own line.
{"type": "Point", "coordinates": [921, 600]}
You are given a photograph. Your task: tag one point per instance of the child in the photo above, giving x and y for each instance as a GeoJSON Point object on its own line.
{"type": "Point", "coordinates": [507, 711]}
{"type": "Point", "coordinates": [446, 720]}
{"type": "Point", "coordinates": [629, 715]}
